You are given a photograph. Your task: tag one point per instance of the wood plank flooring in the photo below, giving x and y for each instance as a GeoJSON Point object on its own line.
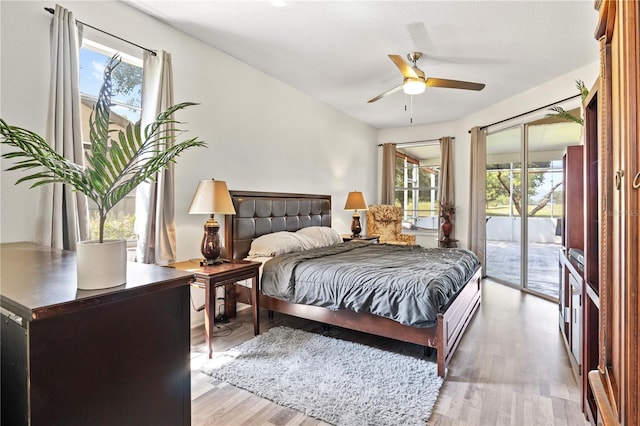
{"type": "Point", "coordinates": [511, 368]}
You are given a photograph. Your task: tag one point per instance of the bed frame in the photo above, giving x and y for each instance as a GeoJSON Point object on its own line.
{"type": "Point", "coordinates": [259, 213]}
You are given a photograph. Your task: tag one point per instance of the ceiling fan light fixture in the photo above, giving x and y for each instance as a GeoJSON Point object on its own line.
{"type": "Point", "coordinates": [413, 86]}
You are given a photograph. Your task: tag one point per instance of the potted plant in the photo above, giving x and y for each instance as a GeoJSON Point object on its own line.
{"type": "Point", "coordinates": [447, 209]}
{"type": "Point", "coordinates": [115, 166]}
{"type": "Point", "coordinates": [565, 115]}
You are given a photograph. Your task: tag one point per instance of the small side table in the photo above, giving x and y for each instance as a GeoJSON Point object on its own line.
{"type": "Point", "coordinates": [450, 243]}
{"type": "Point", "coordinates": [373, 238]}
{"type": "Point", "coordinates": [229, 272]}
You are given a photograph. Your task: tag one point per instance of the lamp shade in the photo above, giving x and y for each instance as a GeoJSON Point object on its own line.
{"type": "Point", "coordinates": [212, 196]}
{"type": "Point", "coordinates": [355, 201]}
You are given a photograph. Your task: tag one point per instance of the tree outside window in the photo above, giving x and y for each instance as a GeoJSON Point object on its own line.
{"type": "Point", "coordinates": [504, 189]}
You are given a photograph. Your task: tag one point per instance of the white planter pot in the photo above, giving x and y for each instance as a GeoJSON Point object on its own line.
{"type": "Point", "coordinates": [101, 265]}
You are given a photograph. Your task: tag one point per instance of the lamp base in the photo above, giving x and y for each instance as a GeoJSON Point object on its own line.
{"type": "Point", "coordinates": [356, 228]}
{"type": "Point", "coordinates": [210, 246]}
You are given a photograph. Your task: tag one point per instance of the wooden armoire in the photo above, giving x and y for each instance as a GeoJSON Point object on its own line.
{"type": "Point", "coordinates": [616, 180]}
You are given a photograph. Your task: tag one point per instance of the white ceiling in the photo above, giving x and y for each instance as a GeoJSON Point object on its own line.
{"type": "Point", "coordinates": [336, 51]}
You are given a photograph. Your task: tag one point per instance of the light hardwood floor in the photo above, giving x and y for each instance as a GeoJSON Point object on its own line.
{"type": "Point", "coordinates": [511, 368]}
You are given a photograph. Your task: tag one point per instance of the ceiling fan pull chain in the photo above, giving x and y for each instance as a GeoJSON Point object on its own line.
{"type": "Point", "coordinates": [411, 114]}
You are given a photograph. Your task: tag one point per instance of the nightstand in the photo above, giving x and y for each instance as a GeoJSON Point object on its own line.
{"type": "Point", "coordinates": [375, 239]}
{"type": "Point", "coordinates": [210, 277]}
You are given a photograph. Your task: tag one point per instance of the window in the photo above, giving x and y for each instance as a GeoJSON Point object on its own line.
{"type": "Point", "coordinates": [127, 92]}
{"type": "Point", "coordinates": [416, 185]}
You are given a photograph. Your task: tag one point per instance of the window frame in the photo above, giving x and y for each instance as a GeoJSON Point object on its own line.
{"type": "Point", "coordinates": [119, 213]}
{"type": "Point", "coordinates": [411, 190]}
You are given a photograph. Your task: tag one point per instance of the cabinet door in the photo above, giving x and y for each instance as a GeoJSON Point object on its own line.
{"type": "Point", "coordinates": [123, 363]}
{"type": "Point", "coordinates": [565, 316]}
{"type": "Point", "coordinates": [576, 319]}
{"type": "Point", "coordinates": [617, 381]}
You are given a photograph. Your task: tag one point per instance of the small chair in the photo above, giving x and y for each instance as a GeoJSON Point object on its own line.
{"type": "Point", "coordinates": [386, 221]}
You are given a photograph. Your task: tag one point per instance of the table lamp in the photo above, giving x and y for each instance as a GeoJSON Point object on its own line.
{"type": "Point", "coordinates": [212, 196]}
{"type": "Point", "coordinates": [355, 202]}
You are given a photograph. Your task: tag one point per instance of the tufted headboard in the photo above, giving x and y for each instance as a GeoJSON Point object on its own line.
{"type": "Point", "coordinates": [259, 213]}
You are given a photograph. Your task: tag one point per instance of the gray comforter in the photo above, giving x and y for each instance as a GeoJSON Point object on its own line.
{"type": "Point", "coordinates": [408, 284]}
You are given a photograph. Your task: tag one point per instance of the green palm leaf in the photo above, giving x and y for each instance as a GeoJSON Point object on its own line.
{"type": "Point", "coordinates": [584, 92]}
{"type": "Point", "coordinates": [565, 115]}
{"type": "Point", "coordinates": [115, 166]}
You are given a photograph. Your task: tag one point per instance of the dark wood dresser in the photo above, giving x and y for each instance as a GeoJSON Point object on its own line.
{"type": "Point", "coordinates": [104, 357]}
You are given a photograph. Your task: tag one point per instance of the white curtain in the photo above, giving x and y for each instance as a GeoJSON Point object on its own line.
{"type": "Point", "coordinates": [446, 175]}
{"type": "Point", "coordinates": [63, 215]}
{"type": "Point", "coordinates": [155, 220]}
{"type": "Point", "coordinates": [477, 196]}
{"type": "Point", "coordinates": [388, 193]}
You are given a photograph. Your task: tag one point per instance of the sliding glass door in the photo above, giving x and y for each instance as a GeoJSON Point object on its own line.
{"type": "Point", "coordinates": [524, 203]}
{"type": "Point", "coordinates": [503, 182]}
{"type": "Point", "coordinates": [545, 145]}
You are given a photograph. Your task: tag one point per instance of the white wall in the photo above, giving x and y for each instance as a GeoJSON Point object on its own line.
{"type": "Point", "coordinates": [544, 94]}
{"type": "Point", "coordinates": [261, 134]}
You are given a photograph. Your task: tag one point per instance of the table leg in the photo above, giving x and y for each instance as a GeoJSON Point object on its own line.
{"type": "Point", "coordinates": [255, 288]}
{"type": "Point", "coordinates": [209, 313]}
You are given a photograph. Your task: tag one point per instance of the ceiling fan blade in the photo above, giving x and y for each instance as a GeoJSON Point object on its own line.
{"type": "Point", "coordinates": [388, 92]}
{"type": "Point", "coordinates": [404, 67]}
{"type": "Point", "coordinates": [453, 84]}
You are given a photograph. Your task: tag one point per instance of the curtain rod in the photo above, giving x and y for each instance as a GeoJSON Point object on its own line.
{"type": "Point", "coordinates": [52, 11]}
{"type": "Point", "coordinates": [412, 142]}
{"type": "Point", "coordinates": [528, 112]}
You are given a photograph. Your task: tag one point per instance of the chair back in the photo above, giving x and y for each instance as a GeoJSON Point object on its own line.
{"type": "Point", "coordinates": [384, 220]}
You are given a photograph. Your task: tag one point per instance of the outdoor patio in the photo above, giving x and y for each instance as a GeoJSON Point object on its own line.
{"type": "Point", "coordinates": [503, 263]}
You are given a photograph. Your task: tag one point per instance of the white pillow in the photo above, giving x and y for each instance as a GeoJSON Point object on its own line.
{"type": "Point", "coordinates": [280, 243]}
{"type": "Point", "coordinates": [322, 235]}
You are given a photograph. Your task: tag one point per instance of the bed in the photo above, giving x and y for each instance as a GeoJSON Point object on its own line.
{"type": "Point", "coordinates": [261, 213]}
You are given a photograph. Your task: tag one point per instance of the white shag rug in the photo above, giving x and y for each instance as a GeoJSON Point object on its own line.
{"type": "Point", "coordinates": [337, 381]}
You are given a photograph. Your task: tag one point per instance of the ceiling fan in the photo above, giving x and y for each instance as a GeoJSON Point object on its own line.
{"type": "Point", "coordinates": [415, 82]}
